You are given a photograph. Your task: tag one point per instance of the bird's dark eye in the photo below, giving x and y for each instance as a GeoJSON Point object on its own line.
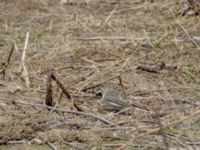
{"type": "Point", "coordinates": [99, 94]}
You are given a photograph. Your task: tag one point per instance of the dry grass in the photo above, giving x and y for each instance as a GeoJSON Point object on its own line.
{"type": "Point", "coordinates": [90, 45]}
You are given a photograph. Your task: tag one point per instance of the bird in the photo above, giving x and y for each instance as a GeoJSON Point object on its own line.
{"type": "Point", "coordinates": [113, 100]}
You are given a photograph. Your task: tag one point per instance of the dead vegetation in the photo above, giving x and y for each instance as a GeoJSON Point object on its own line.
{"type": "Point", "coordinates": [145, 49]}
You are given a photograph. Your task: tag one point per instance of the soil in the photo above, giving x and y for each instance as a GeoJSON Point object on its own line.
{"type": "Point", "coordinates": [91, 45]}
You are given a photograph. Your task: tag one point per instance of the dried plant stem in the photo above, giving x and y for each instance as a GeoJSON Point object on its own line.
{"type": "Point", "coordinates": [61, 86]}
{"type": "Point", "coordinates": [49, 97]}
{"type": "Point", "coordinates": [52, 146]}
{"type": "Point", "coordinates": [69, 111]}
{"type": "Point", "coordinates": [121, 83]}
{"type": "Point", "coordinates": [24, 70]}
{"type": "Point", "coordinates": [73, 146]}
{"type": "Point", "coordinates": [6, 64]}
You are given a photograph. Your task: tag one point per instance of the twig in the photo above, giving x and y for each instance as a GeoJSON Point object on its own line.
{"type": "Point", "coordinates": [49, 97]}
{"type": "Point", "coordinates": [65, 91]}
{"type": "Point", "coordinates": [115, 128]}
{"type": "Point", "coordinates": [130, 121]}
{"type": "Point", "coordinates": [73, 145]}
{"type": "Point", "coordinates": [185, 39]}
{"type": "Point", "coordinates": [121, 83]}
{"type": "Point", "coordinates": [122, 38]}
{"type": "Point", "coordinates": [193, 41]}
{"type": "Point", "coordinates": [24, 71]}
{"type": "Point", "coordinates": [118, 145]}
{"type": "Point", "coordinates": [69, 111]}
{"type": "Point", "coordinates": [16, 142]}
{"type": "Point", "coordinates": [51, 145]}
{"type": "Point", "coordinates": [61, 86]}
{"type": "Point", "coordinates": [110, 15]}
{"type": "Point", "coordinates": [15, 46]}
{"type": "Point", "coordinates": [67, 67]}
{"type": "Point", "coordinates": [90, 61]}
{"type": "Point", "coordinates": [77, 106]}
{"type": "Point", "coordinates": [10, 54]}
{"type": "Point", "coordinates": [6, 64]}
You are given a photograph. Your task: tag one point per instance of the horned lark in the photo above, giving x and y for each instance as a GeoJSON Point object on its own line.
{"type": "Point", "coordinates": [113, 100]}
